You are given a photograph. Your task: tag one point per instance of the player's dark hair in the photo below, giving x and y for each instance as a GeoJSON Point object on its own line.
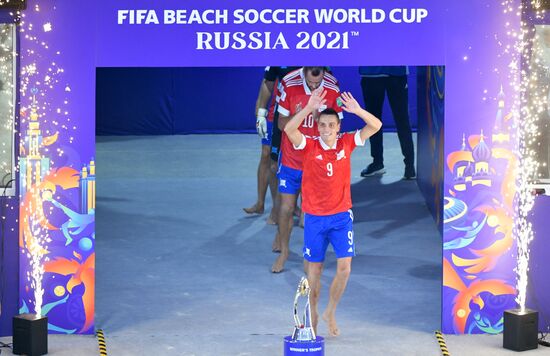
{"type": "Point", "coordinates": [315, 71]}
{"type": "Point", "coordinates": [330, 111]}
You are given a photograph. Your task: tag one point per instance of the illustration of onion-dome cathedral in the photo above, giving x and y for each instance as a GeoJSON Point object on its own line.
{"type": "Point", "coordinates": [481, 155]}
{"type": "Point", "coordinates": [471, 168]}
{"type": "Point", "coordinates": [460, 168]}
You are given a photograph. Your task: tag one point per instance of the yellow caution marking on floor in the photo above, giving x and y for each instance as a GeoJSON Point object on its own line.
{"type": "Point", "coordinates": [101, 342]}
{"type": "Point", "coordinates": [442, 344]}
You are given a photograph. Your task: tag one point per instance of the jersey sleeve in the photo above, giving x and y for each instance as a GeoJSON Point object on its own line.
{"type": "Point", "coordinates": [302, 144]}
{"type": "Point", "coordinates": [352, 140]}
{"type": "Point", "coordinates": [284, 100]}
{"type": "Point", "coordinates": [357, 138]}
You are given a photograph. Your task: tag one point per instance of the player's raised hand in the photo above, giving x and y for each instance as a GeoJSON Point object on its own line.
{"type": "Point", "coordinates": [317, 99]}
{"type": "Point", "coordinates": [349, 103]}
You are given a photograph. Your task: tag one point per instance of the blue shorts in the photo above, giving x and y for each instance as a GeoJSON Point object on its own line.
{"type": "Point", "coordinates": [267, 141]}
{"type": "Point", "coordinates": [320, 230]}
{"type": "Point", "coordinates": [290, 180]}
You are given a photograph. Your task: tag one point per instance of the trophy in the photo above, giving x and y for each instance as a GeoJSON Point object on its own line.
{"type": "Point", "coordinates": [303, 330]}
{"type": "Point", "coordinates": [303, 340]}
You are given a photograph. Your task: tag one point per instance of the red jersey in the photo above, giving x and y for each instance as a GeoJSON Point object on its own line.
{"type": "Point", "coordinates": [294, 95]}
{"type": "Point", "coordinates": [327, 174]}
{"type": "Point", "coordinates": [275, 74]}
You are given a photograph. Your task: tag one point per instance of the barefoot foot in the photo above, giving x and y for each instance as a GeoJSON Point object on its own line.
{"type": "Point", "coordinates": [279, 264]}
{"type": "Point", "coordinates": [271, 221]}
{"type": "Point", "coordinates": [254, 209]}
{"type": "Point", "coordinates": [331, 321]}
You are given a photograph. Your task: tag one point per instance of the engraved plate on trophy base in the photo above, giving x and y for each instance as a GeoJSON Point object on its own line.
{"type": "Point", "coordinates": [301, 348]}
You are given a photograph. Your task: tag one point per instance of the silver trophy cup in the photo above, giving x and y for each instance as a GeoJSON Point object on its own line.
{"type": "Point", "coordinates": [303, 330]}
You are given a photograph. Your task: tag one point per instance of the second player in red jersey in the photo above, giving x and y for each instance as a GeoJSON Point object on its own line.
{"type": "Point", "coordinates": [294, 95]}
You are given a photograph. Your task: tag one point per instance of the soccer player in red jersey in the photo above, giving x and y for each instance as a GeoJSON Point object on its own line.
{"type": "Point", "coordinates": [326, 194]}
{"type": "Point", "coordinates": [295, 92]}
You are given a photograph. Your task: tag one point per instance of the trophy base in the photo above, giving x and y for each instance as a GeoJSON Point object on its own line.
{"type": "Point", "coordinates": [300, 348]}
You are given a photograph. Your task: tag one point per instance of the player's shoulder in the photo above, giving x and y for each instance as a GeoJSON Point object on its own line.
{"type": "Point", "coordinates": [330, 78]}
{"type": "Point", "coordinates": [293, 78]}
{"type": "Point", "coordinates": [331, 87]}
{"type": "Point", "coordinates": [271, 73]}
{"type": "Point", "coordinates": [346, 137]}
{"type": "Point", "coordinates": [343, 136]}
{"type": "Point", "coordinates": [294, 86]}
{"type": "Point", "coordinates": [293, 74]}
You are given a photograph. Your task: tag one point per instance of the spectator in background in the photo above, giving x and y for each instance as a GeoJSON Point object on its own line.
{"type": "Point", "coordinates": [375, 83]}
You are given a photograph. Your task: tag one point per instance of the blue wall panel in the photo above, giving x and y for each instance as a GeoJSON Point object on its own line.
{"type": "Point", "coordinates": [166, 101]}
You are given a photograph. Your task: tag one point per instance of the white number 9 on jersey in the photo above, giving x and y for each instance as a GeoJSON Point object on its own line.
{"type": "Point", "coordinates": [329, 169]}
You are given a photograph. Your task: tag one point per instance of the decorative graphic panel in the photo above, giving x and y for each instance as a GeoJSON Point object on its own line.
{"type": "Point", "coordinates": [57, 185]}
{"type": "Point", "coordinates": [477, 227]}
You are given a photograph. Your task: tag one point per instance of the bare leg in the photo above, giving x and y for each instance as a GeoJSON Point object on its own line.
{"type": "Point", "coordinates": [297, 211]}
{"type": "Point", "coordinates": [276, 245]}
{"type": "Point", "coordinates": [272, 181]}
{"type": "Point", "coordinates": [288, 203]}
{"type": "Point", "coordinates": [337, 288]}
{"type": "Point", "coordinates": [263, 174]}
{"type": "Point", "coordinates": [314, 270]}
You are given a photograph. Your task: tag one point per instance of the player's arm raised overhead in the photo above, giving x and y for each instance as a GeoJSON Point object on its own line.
{"type": "Point", "coordinates": [373, 124]}
{"type": "Point", "coordinates": [316, 99]}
